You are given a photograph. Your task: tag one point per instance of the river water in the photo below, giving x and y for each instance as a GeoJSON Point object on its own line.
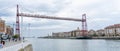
{"type": "Point", "coordinates": [74, 45]}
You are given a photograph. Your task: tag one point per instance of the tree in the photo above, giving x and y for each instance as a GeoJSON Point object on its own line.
{"type": "Point", "coordinates": [16, 36]}
{"type": "Point", "coordinates": [95, 35]}
{"type": "Point", "coordinates": [103, 35]}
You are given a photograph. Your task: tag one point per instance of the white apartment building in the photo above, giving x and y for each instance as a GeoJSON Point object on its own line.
{"type": "Point", "coordinates": [112, 30]}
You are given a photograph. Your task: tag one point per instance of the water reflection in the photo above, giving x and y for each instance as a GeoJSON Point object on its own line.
{"type": "Point", "coordinates": [113, 45]}
{"type": "Point", "coordinates": [84, 46]}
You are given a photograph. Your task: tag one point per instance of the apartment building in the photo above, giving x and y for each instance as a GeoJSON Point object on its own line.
{"type": "Point", "coordinates": [9, 30]}
{"type": "Point", "coordinates": [2, 26]}
{"type": "Point", "coordinates": [112, 30]}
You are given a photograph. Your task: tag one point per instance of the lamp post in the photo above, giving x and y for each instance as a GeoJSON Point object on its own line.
{"type": "Point", "coordinates": [29, 28]}
{"type": "Point", "coordinates": [13, 28]}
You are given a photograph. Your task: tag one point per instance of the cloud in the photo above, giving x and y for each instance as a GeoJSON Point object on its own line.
{"type": "Point", "coordinates": [8, 19]}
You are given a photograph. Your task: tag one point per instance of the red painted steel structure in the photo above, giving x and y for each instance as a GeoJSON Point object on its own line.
{"type": "Point", "coordinates": [47, 17]}
{"type": "Point", "coordinates": [17, 22]}
{"type": "Point", "coordinates": [83, 20]}
{"type": "Point", "coordinates": [84, 25]}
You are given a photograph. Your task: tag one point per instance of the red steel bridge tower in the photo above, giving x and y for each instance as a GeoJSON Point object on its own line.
{"type": "Point", "coordinates": [84, 25]}
{"type": "Point", "coordinates": [17, 22]}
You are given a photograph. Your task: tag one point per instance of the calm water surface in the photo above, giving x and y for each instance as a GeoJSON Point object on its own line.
{"type": "Point", "coordinates": [74, 45]}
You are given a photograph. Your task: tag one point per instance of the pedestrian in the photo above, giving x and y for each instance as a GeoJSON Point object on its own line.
{"type": "Point", "coordinates": [9, 39]}
{"type": "Point", "coordinates": [1, 45]}
{"type": "Point", "coordinates": [13, 39]}
{"type": "Point", "coordinates": [3, 42]}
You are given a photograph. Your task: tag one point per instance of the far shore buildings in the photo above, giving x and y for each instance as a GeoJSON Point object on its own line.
{"type": "Point", "coordinates": [73, 33]}
{"type": "Point", "coordinates": [91, 32]}
{"type": "Point", "coordinates": [61, 34]}
{"type": "Point", "coordinates": [5, 29]}
{"type": "Point", "coordinates": [112, 30]}
{"type": "Point", "coordinates": [100, 32]}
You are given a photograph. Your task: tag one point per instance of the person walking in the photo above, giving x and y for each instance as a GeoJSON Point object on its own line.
{"type": "Point", "coordinates": [3, 42]}
{"type": "Point", "coordinates": [1, 45]}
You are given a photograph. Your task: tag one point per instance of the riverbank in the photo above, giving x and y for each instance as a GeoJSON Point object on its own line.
{"type": "Point", "coordinates": [112, 38]}
{"type": "Point", "coordinates": [27, 48]}
{"type": "Point", "coordinates": [17, 46]}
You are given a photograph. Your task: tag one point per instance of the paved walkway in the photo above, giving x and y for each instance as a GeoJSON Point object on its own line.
{"type": "Point", "coordinates": [14, 46]}
{"type": "Point", "coordinates": [11, 43]}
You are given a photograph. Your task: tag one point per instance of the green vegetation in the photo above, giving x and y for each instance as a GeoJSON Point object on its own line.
{"type": "Point", "coordinates": [21, 50]}
{"type": "Point", "coordinates": [103, 35]}
{"type": "Point", "coordinates": [27, 48]}
{"type": "Point", "coordinates": [16, 36]}
{"type": "Point", "coordinates": [94, 35]}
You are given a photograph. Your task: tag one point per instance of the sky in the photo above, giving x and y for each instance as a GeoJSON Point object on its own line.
{"type": "Point", "coordinates": [100, 13]}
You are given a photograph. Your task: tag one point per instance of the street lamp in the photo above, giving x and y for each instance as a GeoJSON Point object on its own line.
{"type": "Point", "coordinates": [29, 28]}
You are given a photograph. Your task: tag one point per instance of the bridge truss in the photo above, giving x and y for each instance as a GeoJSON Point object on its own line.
{"type": "Point", "coordinates": [83, 20]}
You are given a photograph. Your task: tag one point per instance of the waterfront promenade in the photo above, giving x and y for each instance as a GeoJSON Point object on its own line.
{"type": "Point", "coordinates": [11, 43]}
{"type": "Point", "coordinates": [16, 46]}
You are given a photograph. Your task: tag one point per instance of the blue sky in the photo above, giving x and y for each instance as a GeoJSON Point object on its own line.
{"type": "Point", "coordinates": [100, 13]}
